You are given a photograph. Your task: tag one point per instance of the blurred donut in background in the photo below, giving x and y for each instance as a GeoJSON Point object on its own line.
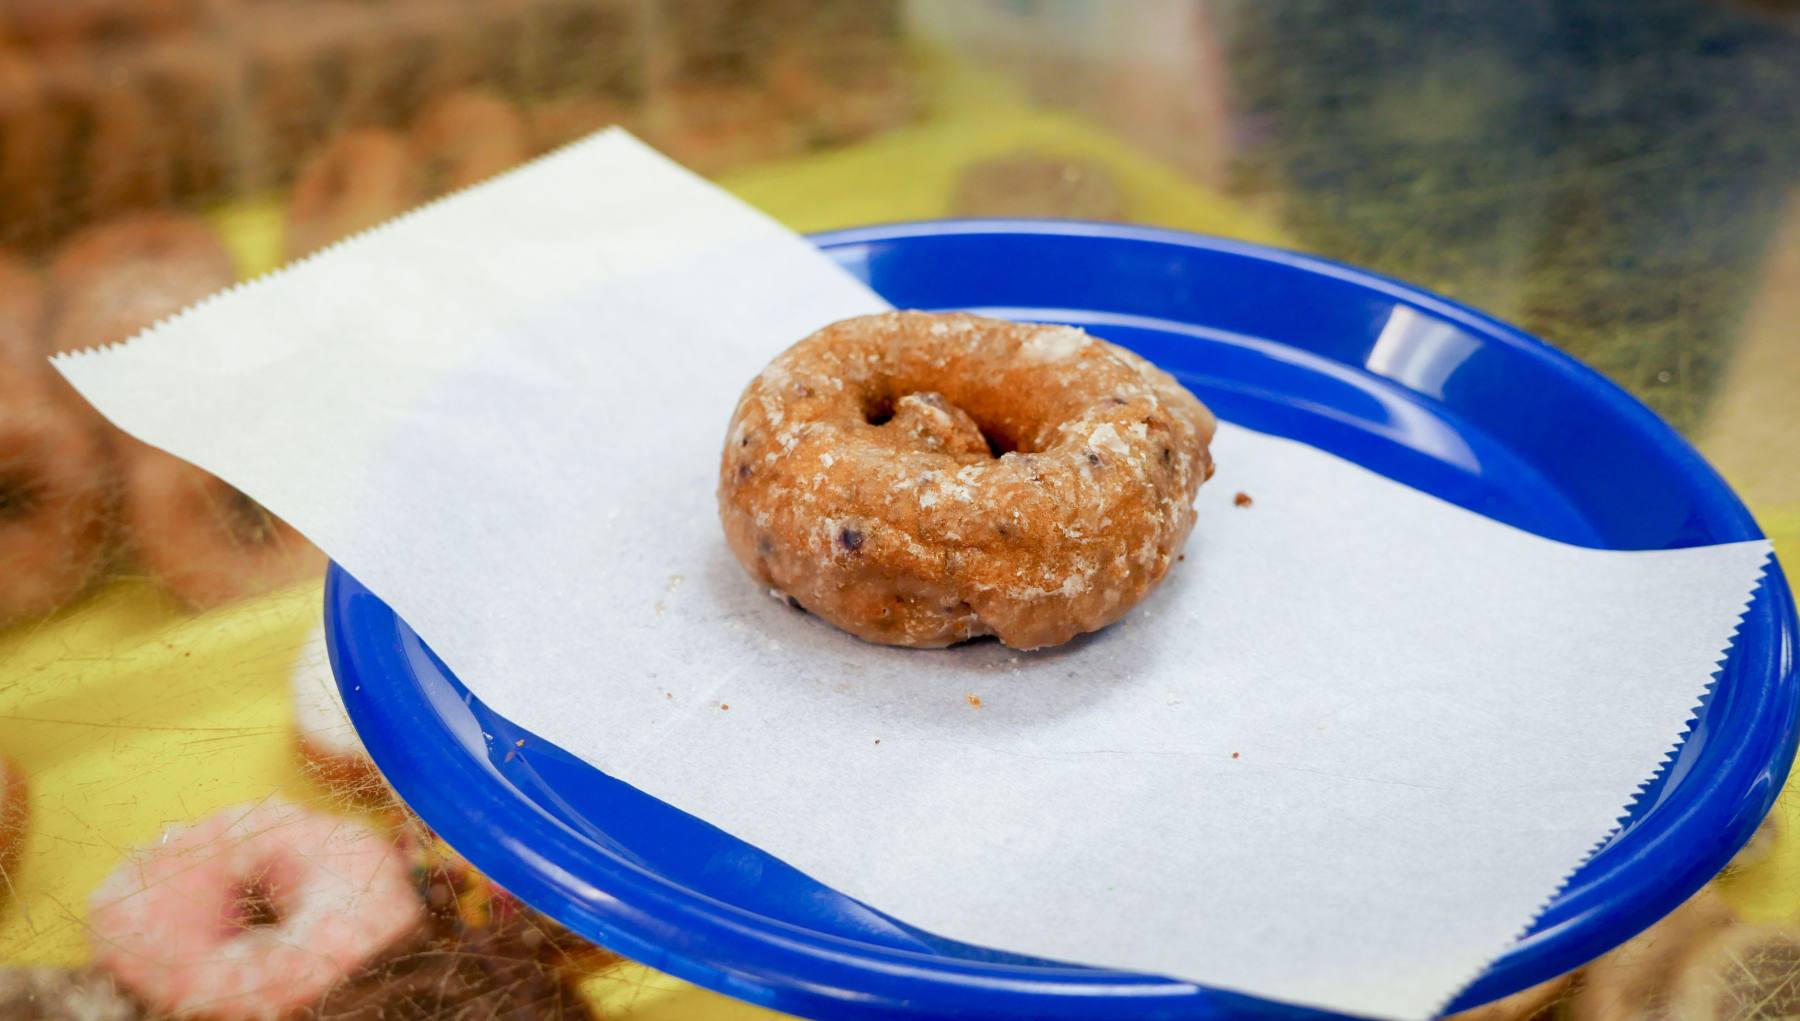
{"type": "Point", "coordinates": [24, 308]}
{"type": "Point", "coordinates": [1632, 983]}
{"type": "Point", "coordinates": [126, 161]}
{"type": "Point", "coordinates": [323, 735]}
{"type": "Point", "coordinates": [360, 179]}
{"type": "Point", "coordinates": [467, 137]}
{"type": "Point", "coordinates": [115, 279]}
{"type": "Point", "coordinates": [45, 993]}
{"type": "Point", "coordinates": [33, 137]}
{"type": "Point", "coordinates": [55, 23]}
{"type": "Point", "coordinates": [201, 538]}
{"type": "Point", "coordinates": [557, 122]}
{"type": "Point", "coordinates": [1747, 972]}
{"type": "Point", "coordinates": [55, 498]}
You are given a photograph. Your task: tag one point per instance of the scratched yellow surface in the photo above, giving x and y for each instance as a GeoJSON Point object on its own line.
{"type": "Point", "coordinates": [129, 716]}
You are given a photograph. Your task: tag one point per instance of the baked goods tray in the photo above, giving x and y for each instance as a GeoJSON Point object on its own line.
{"type": "Point", "coordinates": [1284, 343]}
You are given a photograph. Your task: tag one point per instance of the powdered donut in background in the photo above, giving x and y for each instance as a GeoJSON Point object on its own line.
{"type": "Point", "coordinates": [323, 734]}
{"type": "Point", "coordinates": [43, 993]}
{"type": "Point", "coordinates": [922, 479]}
{"type": "Point", "coordinates": [358, 180]}
{"type": "Point", "coordinates": [253, 913]}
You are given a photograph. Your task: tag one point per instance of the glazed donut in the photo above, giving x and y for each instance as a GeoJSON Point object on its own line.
{"type": "Point", "coordinates": [127, 159]}
{"type": "Point", "coordinates": [323, 734]}
{"type": "Point", "coordinates": [357, 181]}
{"type": "Point", "coordinates": [254, 913]}
{"type": "Point", "coordinates": [113, 280]}
{"type": "Point", "coordinates": [467, 137]}
{"type": "Point", "coordinates": [42, 993]}
{"type": "Point", "coordinates": [202, 539]}
{"type": "Point", "coordinates": [23, 309]}
{"type": "Point", "coordinates": [35, 139]}
{"type": "Point", "coordinates": [922, 479]}
{"type": "Point", "coordinates": [15, 818]}
{"type": "Point", "coordinates": [58, 23]}
{"type": "Point", "coordinates": [55, 498]}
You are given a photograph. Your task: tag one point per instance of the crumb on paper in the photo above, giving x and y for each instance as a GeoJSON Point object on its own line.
{"type": "Point", "coordinates": [878, 740]}
{"type": "Point", "coordinates": [1234, 755]}
{"type": "Point", "coordinates": [1181, 556]}
{"type": "Point", "coordinates": [1242, 499]}
{"type": "Point", "coordinates": [724, 706]}
{"type": "Point", "coordinates": [973, 699]}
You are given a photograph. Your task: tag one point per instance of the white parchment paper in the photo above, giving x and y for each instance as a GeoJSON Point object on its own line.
{"type": "Point", "coordinates": [1342, 757]}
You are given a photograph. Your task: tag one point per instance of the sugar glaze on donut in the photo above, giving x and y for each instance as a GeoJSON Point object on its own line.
{"type": "Point", "coordinates": [919, 479]}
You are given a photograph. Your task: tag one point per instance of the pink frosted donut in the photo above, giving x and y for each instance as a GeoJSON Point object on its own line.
{"type": "Point", "coordinates": [252, 913]}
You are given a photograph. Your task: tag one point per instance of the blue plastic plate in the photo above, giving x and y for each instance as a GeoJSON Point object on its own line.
{"type": "Point", "coordinates": [1403, 382]}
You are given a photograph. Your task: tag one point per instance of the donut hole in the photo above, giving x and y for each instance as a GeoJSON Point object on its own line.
{"type": "Point", "coordinates": [879, 410]}
{"type": "Point", "coordinates": [255, 903]}
{"type": "Point", "coordinates": [882, 408]}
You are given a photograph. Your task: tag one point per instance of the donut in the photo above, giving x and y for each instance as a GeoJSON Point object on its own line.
{"type": "Point", "coordinates": [323, 736]}
{"type": "Point", "coordinates": [555, 123]}
{"type": "Point", "coordinates": [1633, 981]}
{"type": "Point", "coordinates": [709, 126]}
{"type": "Point", "coordinates": [55, 498]}
{"type": "Point", "coordinates": [42, 993]}
{"type": "Point", "coordinates": [1749, 971]}
{"type": "Point", "coordinates": [358, 180]}
{"type": "Point", "coordinates": [840, 89]}
{"type": "Point", "coordinates": [202, 539]}
{"type": "Point", "coordinates": [15, 816]}
{"type": "Point", "coordinates": [24, 306]}
{"type": "Point", "coordinates": [115, 279]}
{"type": "Point", "coordinates": [920, 479]}
{"type": "Point", "coordinates": [254, 913]}
{"type": "Point", "coordinates": [71, 23]}
{"type": "Point", "coordinates": [467, 137]}
{"type": "Point", "coordinates": [479, 974]}
{"type": "Point", "coordinates": [127, 159]}
{"type": "Point", "coordinates": [35, 138]}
